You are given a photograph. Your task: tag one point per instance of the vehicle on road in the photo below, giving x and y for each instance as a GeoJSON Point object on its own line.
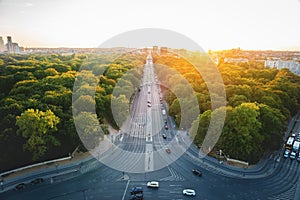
{"type": "Point", "coordinates": [164, 136]}
{"type": "Point", "coordinates": [289, 143]}
{"type": "Point", "coordinates": [136, 193]}
{"type": "Point", "coordinates": [166, 127]}
{"type": "Point", "coordinates": [153, 184]}
{"type": "Point", "coordinates": [37, 181]}
{"type": "Point", "coordinates": [189, 192]}
{"type": "Point", "coordinates": [134, 197]}
{"type": "Point", "coordinates": [286, 153]}
{"type": "Point", "coordinates": [163, 111]}
{"type": "Point", "coordinates": [168, 150]}
{"type": "Point", "coordinates": [197, 172]}
{"type": "Point", "coordinates": [293, 155]}
{"type": "Point", "coordinates": [296, 146]}
{"type": "Point", "coordinates": [298, 158]}
{"type": "Point", "coordinates": [20, 186]}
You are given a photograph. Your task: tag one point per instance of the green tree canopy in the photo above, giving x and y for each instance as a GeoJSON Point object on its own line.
{"type": "Point", "coordinates": [36, 126]}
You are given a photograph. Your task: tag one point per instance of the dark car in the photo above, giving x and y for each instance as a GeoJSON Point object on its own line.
{"type": "Point", "coordinates": [135, 197]}
{"type": "Point", "coordinates": [164, 136]}
{"type": "Point", "coordinates": [37, 181]}
{"type": "Point", "coordinates": [136, 190]}
{"type": "Point", "coordinates": [20, 186]}
{"type": "Point", "coordinates": [136, 193]}
{"type": "Point", "coordinates": [197, 172]}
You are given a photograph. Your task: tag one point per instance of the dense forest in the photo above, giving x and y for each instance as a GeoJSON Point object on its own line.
{"type": "Point", "coordinates": [259, 103]}
{"type": "Point", "coordinates": [36, 117]}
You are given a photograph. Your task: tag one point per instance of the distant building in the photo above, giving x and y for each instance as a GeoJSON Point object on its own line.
{"type": "Point", "coordinates": [163, 50]}
{"type": "Point", "coordinates": [2, 47]}
{"type": "Point", "coordinates": [235, 60]}
{"type": "Point", "coordinates": [280, 64]}
{"type": "Point", "coordinates": [15, 48]}
{"type": "Point", "coordinates": [155, 49]}
{"type": "Point", "coordinates": [9, 46]}
{"type": "Point", "coordinates": [145, 50]}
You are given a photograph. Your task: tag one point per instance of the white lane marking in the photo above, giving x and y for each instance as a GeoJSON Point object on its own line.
{"type": "Point", "coordinates": [125, 190]}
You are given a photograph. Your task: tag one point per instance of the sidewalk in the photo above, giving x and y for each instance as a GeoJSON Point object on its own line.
{"type": "Point", "coordinates": [230, 171]}
{"type": "Point", "coordinates": [44, 171]}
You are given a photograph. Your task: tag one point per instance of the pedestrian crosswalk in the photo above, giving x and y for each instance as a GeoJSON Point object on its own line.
{"type": "Point", "coordinates": [89, 166]}
{"type": "Point", "coordinates": [137, 126]}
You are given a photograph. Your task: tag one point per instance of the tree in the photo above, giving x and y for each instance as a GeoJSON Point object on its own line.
{"type": "Point", "coordinates": [84, 103]}
{"type": "Point", "coordinates": [120, 109]}
{"type": "Point", "coordinates": [36, 126]}
{"type": "Point", "coordinates": [236, 100]}
{"type": "Point", "coordinates": [200, 127]}
{"type": "Point", "coordinates": [273, 125]}
{"type": "Point", "coordinates": [240, 137]}
{"type": "Point", "coordinates": [87, 126]}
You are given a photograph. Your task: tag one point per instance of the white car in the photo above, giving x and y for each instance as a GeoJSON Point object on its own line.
{"type": "Point", "coordinates": [293, 155]}
{"type": "Point", "coordinates": [286, 153]}
{"type": "Point", "coordinates": [153, 184]}
{"type": "Point", "coordinates": [189, 192]}
{"type": "Point", "coordinates": [298, 158]}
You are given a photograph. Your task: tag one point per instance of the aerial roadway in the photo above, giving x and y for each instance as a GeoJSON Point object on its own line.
{"type": "Point", "coordinates": [151, 149]}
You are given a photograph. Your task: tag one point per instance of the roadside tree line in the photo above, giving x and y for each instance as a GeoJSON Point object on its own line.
{"type": "Point", "coordinates": [259, 102]}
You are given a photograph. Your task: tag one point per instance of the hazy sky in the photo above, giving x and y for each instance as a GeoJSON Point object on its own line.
{"type": "Point", "coordinates": [213, 24]}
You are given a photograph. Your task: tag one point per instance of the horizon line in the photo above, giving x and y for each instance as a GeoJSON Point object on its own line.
{"type": "Point", "coordinates": [221, 49]}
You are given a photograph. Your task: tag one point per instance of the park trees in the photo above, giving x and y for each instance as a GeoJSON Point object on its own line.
{"type": "Point", "coordinates": [259, 102]}
{"type": "Point", "coordinates": [36, 126]}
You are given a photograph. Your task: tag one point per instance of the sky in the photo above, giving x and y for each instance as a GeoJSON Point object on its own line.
{"type": "Point", "coordinates": [212, 24]}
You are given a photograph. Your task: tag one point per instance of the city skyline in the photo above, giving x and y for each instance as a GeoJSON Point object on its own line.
{"type": "Point", "coordinates": [216, 25]}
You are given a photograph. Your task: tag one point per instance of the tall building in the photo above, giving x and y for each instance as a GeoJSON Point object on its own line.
{"type": "Point", "coordinates": [15, 48]}
{"type": "Point", "coordinates": [9, 45]}
{"type": "Point", "coordinates": [2, 47]}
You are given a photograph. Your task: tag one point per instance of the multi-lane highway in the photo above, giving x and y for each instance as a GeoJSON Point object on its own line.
{"type": "Point", "coordinates": [140, 155]}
